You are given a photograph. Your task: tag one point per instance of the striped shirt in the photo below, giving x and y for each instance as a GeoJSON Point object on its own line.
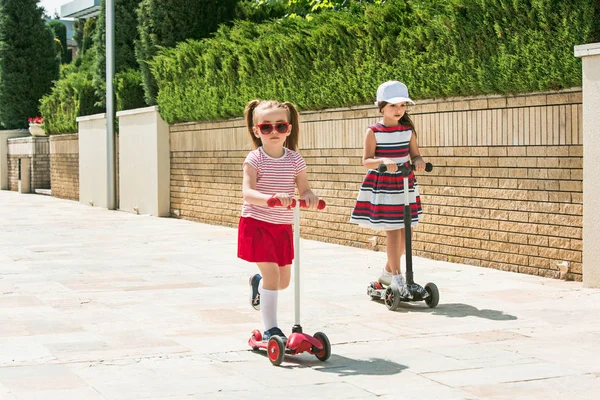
{"type": "Point", "coordinates": [273, 175]}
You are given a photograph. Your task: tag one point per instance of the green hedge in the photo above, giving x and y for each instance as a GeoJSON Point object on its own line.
{"type": "Point", "coordinates": [73, 95]}
{"type": "Point", "coordinates": [129, 90]}
{"type": "Point", "coordinates": [164, 23]}
{"type": "Point", "coordinates": [338, 59]}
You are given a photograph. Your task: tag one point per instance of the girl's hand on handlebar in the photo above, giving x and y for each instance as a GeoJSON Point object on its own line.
{"type": "Point", "coordinates": [419, 164]}
{"type": "Point", "coordinates": [311, 200]}
{"type": "Point", "coordinates": [286, 199]}
{"type": "Point", "coordinates": [390, 165]}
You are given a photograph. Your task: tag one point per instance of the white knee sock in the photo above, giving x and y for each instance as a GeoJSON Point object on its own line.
{"type": "Point", "coordinates": [268, 307]}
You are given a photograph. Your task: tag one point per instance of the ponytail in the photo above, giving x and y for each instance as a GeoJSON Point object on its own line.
{"type": "Point", "coordinates": [292, 140]}
{"type": "Point", "coordinates": [407, 121]}
{"type": "Point", "coordinates": [249, 117]}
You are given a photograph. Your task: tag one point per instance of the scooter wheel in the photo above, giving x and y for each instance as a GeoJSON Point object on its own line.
{"type": "Point", "coordinates": [392, 298]}
{"type": "Point", "coordinates": [257, 338]}
{"type": "Point", "coordinates": [324, 354]}
{"type": "Point", "coordinates": [434, 295]}
{"type": "Point", "coordinates": [276, 350]}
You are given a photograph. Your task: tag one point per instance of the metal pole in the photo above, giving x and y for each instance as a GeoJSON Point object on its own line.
{"type": "Point", "coordinates": [110, 104]}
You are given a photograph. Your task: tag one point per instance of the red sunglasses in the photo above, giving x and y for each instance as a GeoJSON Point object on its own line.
{"type": "Point", "coordinates": [280, 127]}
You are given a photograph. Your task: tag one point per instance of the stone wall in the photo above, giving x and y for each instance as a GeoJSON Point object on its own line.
{"type": "Point", "coordinates": [505, 192]}
{"type": "Point", "coordinates": [64, 166]}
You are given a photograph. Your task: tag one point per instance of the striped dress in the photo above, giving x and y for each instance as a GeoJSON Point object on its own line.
{"type": "Point", "coordinates": [380, 201]}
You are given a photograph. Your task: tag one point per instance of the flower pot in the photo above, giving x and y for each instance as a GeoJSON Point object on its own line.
{"type": "Point", "coordinates": [36, 130]}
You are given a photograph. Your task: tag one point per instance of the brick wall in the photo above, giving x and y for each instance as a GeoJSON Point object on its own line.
{"type": "Point", "coordinates": [505, 193]}
{"type": "Point", "coordinates": [38, 151]}
{"type": "Point", "coordinates": [64, 166]}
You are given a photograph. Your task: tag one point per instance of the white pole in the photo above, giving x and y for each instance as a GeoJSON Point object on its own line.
{"type": "Point", "coordinates": [110, 105]}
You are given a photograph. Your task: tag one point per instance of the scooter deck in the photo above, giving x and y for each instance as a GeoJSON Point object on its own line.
{"type": "Point", "coordinates": [297, 343]}
{"type": "Point", "coordinates": [377, 291]}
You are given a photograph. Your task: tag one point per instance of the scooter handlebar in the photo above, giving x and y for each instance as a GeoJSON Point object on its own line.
{"type": "Point", "coordinates": [383, 167]}
{"type": "Point", "coordinates": [275, 202]}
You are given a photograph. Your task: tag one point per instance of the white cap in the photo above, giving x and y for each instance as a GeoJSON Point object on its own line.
{"type": "Point", "coordinates": [393, 92]}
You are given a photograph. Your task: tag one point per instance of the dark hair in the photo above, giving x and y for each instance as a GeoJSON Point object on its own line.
{"type": "Point", "coordinates": [405, 120]}
{"type": "Point", "coordinates": [293, 118]}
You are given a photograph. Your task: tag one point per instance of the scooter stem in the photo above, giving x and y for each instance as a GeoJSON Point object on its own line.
{"type": "Point", "coordinates": [297, 327]}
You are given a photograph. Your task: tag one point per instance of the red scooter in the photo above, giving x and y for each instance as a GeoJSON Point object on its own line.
{"type": "Point", "coordinates": [298, 342]}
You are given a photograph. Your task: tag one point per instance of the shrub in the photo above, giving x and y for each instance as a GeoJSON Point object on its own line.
{"type": "Point", "coordinates": [72, 96]}
{"type": "Point", "coordinates": [338, 59]}
{"type": "Point", "coordinates": [164, 23]}
{"type": "Point", "coordinates": [129, 90]}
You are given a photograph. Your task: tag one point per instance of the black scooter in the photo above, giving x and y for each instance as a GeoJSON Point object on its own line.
{"type": "Point", "coordinates": [391, 296]}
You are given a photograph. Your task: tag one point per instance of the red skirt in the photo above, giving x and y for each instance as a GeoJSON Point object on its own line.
{"type": "Point", "coordinates": [260, 241]}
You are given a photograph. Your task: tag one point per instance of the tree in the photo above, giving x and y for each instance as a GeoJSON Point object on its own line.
{"type": "Point", "coordinates": [60, 32]}
{"type": "Point", "coordinates": [125, 36]}
{"type": "Point", "coordinates": [164, 23]}
{"type": "Point", "coordinates": [28, 61]}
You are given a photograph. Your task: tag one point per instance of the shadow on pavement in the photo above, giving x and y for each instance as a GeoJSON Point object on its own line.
{"type": "Point", "coordinates": [458, 310]}
{"type": "Point", "coordinates": [344, 366]}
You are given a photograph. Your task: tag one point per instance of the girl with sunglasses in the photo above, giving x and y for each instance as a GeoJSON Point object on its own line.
{"type": "Point", "coordinates": [380, 204]}
{"type": "Point", "coordinates": [272, 170]}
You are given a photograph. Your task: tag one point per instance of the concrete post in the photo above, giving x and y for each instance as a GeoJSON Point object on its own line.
{"type": "Point", "coordinates": [144, 162]}
{"type": "Point", "coordinates": [93, 169]}
{"type": "Point", "coordinates": [590, 55]}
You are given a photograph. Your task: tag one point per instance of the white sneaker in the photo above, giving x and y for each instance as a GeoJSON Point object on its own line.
{"type": "Point", "coordinates": [385, 278]}
{"type": "Point", "coordinates": [398, 282]}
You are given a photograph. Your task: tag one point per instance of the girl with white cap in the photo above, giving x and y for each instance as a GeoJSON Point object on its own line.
{"type": "Point", "coordinates": [380, 202]}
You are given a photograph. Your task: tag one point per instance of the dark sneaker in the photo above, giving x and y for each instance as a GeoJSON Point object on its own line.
{"type": "Point", "coordinates": [255, 296]}
{"type": "Point", "coordinates": [273, 332]}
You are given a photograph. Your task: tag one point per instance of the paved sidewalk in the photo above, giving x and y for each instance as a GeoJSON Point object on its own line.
{"type": "Point", "coordinates": [103, 305]}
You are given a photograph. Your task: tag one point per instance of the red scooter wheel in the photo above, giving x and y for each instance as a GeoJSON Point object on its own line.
{"type": "Point", "coordinates": [276, 350]}
{"type": "Point", "coordinates": [324, 354]}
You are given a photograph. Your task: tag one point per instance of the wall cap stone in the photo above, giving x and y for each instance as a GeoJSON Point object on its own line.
{"type": "Point", "coordinates": [590, 49]}
{"type": "Point", "coordinates": [63, 136]}
{"type": "Point", "coordinates": [91, 117]}
{"type": "Point", "coordinates": [136, 111]}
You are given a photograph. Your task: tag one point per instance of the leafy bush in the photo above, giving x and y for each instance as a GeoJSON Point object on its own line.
{"type": "Point", "coordinates": [129, 90]}
{"type": "Point", "coordinates": [338, 59]}
{"type": "Point", "coordinates": [72, 96]}
{"type": "Point", "coordinates": [164, 23]}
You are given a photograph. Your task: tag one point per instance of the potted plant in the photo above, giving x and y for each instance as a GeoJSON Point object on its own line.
{"type": "Point", "coordinates": [36, 126]}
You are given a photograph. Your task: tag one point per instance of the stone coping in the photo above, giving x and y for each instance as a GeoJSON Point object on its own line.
{"type": "Point", "coordinates": [64, 136]}
{"type": "Point", "coordinates": [584, 50]}
{"type": "Point", "coordinates": [425, 106]}
{"type": "Point", "coordinates": [136, 111]}
{"type": "Point", "coordinates": [91, 117]}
